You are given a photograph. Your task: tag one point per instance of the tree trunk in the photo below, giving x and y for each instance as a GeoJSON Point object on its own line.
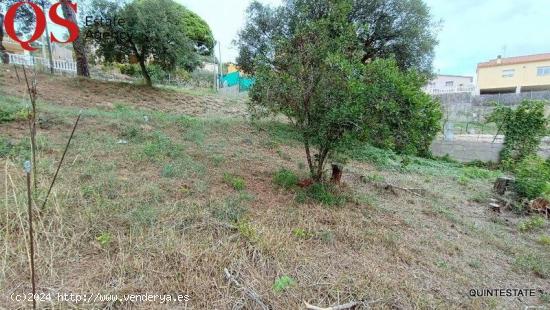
{"type": "Point", "coordinates": [308, 155]}
{"type": "Point", "coordinates": [3, 54]}
{"type": "Point", "coordinates": [321, 165]}
{"type": "Point", "coordinates": [337, 171]}
{"type": "Point", "coordinates": [144, 71]}
{"type": "Point", "coordinates": [79, 46]}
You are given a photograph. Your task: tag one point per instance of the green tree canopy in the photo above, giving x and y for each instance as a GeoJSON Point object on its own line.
{"type": "Point", "coordinates": [316, 78]}
{"type": "Point", "coordinates": [401, 28]}
{"type": "Point", "coordinates": [152, 30]}
{"type": "Point", "coordinates": [198, 30]}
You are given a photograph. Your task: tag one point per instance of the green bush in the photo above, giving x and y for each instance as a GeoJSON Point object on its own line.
{"type": "Point", "coordinates": [533, 177]}
{"type": "Point", "coordinates": [130, 69]}
{"type": "Point", "coordinates": [523, 130]}
{"type": "Point", "coordinates": [285, 179]}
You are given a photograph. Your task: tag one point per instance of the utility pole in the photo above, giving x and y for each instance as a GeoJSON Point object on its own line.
{"type": "Point", "coordinates": [221, 63]}
{"type": "Point", "coordinates": [48, 39]}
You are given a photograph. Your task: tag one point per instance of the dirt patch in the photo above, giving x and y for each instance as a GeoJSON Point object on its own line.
{"type": "Point", "coordinates": [80, 92]}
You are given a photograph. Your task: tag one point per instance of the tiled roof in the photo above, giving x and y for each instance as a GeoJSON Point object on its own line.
{"type": "Point", "coordinates": [514, 60]}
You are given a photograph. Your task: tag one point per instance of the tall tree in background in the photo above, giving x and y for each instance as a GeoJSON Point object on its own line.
{"type": "Point", "coordinates": [79, 45]}
{"type": "Point", "coordinates": [153, 31]}
{"type": "Point", "coordinates": [198, 31]}
{"type": "Point", "coordinates": [3, 54]}
{"type": "Point", "coordinates": [399, 28]}
{"type": "Point", "coordinates": [26, 23]}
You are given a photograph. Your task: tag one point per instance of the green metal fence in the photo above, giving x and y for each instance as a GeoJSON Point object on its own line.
{"type": "Point", "coordinates": [236, 79]}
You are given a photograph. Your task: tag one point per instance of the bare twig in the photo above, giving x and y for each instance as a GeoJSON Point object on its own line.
{"type": "Point", "coordinates": [31, 89]}
{"type": "Point", "coordinates": [339, 307]}
{"type": "Point", "coordinates": [390, 187]}
{"type": "Point", "coordinates": [31, 238]}
{"type": "Point", "coordinates": [17, 73]}
{"type": "Point", "coordinates": [61, 162]}
{"type": "Point", "coordinates": [249, 292]}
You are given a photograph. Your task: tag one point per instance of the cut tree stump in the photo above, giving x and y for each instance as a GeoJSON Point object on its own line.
{"type": "Point", "coordinates": [337, 171]}
{"type": "Point", "coordinates": [495, 207]}
{"type": "Point", "coordinates": [502, 184]}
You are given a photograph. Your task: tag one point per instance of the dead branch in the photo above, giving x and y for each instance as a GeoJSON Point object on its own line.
{"type": "Point", "coordinates": [392, 188]}
{"type": "Point", "coordinates": [249, 292]}
{"type": "Point", "coordinates": [349, 305]}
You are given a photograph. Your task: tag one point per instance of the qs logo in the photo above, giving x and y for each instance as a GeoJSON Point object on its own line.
{"type": "Point", "coordinates": [9, 23]}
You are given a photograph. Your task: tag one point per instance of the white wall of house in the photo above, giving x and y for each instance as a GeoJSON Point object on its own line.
{"type": "Point", "coordinates": [450, 84]}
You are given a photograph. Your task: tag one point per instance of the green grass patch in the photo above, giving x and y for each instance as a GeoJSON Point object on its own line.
{"type": "Point", "coordinates": [531, 224]}
{"type": "Point", "coordinates": [234, 181]}
{"type": "Point", "coordinates": [325, 194]}
{"type": "Point", "coordinates": [544, 240]}
{"type": "Point", "coordinates": [534, 263]}
{"type": "Point", "coordinates": [232, 210]}
{"type": "Point", "coordinates": [283, 283]}
{"type": "Point", "coordinates": [285, 179]}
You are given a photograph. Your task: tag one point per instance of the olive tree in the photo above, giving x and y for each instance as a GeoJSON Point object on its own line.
{"type": "Point", "coordinates": [149, 30]}
{"type": "Point", "coordinates": [315, 76]}
{"type": "Point", "coordinates": [403, 29]}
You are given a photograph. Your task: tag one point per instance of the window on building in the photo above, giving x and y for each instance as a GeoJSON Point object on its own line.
{"type": "Point", "coordinates": [449, 83]}
{"type": "Point", "coordinates": [508, 73]}
{"type": "Point", "coordinates": [543, 71]}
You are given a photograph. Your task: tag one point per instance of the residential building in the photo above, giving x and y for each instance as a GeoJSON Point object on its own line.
{"type": "Point", "coordinates": [514, 74]}
{"type": "Point", "coordinates": [444, 83]}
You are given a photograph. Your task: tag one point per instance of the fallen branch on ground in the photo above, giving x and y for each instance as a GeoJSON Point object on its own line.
{"type": "Point", "coordinates": [249, 292]}
{"type": "Point", "coordinates": [339, 307]}
{"type": "Point", "coordinates": [349, 305]}
{"type": "Point", "coordinates": [390, 187]}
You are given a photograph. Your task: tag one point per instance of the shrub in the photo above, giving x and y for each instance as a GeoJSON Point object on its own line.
{"type": "Point", "coordinates": [285, 179]}
{"type": "Point", "coordinates": [533, 177]}
{"type": "Point", "coordinates": [533, 223]}
{"type": "Point", "coordinates": [523, 129]}
{"type": "Point", "coordinates": [236, 182]}
{"type": "Point", "coordinates": [130, 70]}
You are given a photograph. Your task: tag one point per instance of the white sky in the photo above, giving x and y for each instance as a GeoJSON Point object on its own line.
{"type": "Point", "coordinates": [226, 18]}
{"type": "Point", "coordinates": [473, 30]}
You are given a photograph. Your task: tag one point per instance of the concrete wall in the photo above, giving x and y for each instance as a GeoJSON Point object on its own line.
{"type": "Point", "coordinates": [487, 100]}
{"type": "Point", "coordinates": [466, 149]}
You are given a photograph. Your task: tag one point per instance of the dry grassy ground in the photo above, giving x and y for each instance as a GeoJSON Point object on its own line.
{"type": "Point", "coordinates": [188, 196]}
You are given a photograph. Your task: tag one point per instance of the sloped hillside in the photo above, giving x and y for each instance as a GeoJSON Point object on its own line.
{"type": "Point", "coordinates": [159, 197]}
